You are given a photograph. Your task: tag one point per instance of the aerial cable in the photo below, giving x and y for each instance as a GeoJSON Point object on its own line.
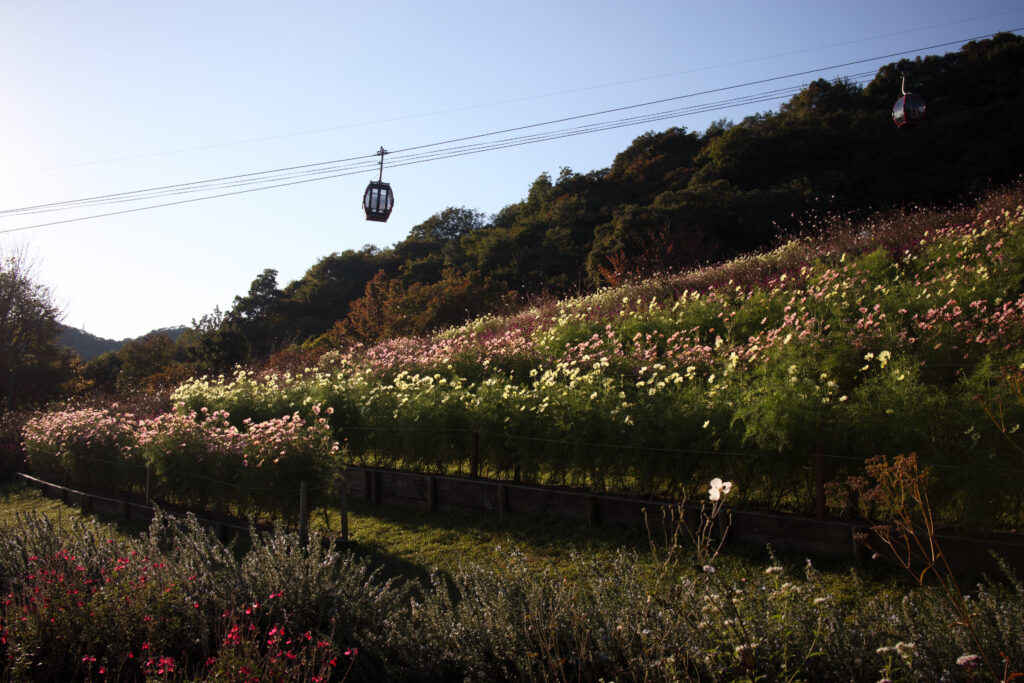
{"type": "Point", "coordinates": [322, 169]}
{"type": "Point", "coordinates": [326, 173]}
{"type": "Point", "coordinates": [175, 203]}
{"type": "Point", "coordinates": [408, 159]}
{"type": "Point", "coordinates": [196, 182]}
{"type": "Point", "coordinates": [711, 91]}
{"type": "Point", "coordinates": [512, 100]}
{"type": "Point", "coordinates": [187, 188]}
{"type": "Point", "coordinates": [425, 157]}
{"type": "Point", "coordinates": [623, 108]}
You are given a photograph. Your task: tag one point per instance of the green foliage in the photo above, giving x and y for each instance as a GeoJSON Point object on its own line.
{"type": "Point", "coordinates": [175, 603]}
{"type": "Point", "coordinates": [214, 346]}
{"type": "Point", "coordinates": [390, 309]}
{"type": "Point", "coordinates": [103, 371]}
{"type": "Point", "coordinates": [31, 367]}
{"type": "Point", "coordinates": [89, 447]}
{"type": "Point", "coordinates": [258, 314]}
{"type": "Point", "coordinates": [676, 199]}
{"type": "Point", "coordinates": [144, 358]}
{"type": "Point", "coordinates": [830, 343]}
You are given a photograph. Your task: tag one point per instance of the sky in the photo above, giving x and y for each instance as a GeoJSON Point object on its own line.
{"type": "Point", "coordinates": [107, 97]}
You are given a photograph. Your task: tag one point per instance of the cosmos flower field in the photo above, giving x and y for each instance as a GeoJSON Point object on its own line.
{"type": "Point", "coordinates": [895, 336]}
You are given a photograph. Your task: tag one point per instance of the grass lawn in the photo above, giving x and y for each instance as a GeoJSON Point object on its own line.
{"type": "Point", "coordinates": [414, 543]}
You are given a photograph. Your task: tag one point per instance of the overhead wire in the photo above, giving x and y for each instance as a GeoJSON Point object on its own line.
{"type": "Point", "coordinates": [306, 173]}
{"type": "Point", "coordinates": [356, 165]}
{"type": "Point", "coordinates": [365, 162]}
{"type": "Point", "coordinates": [520, 99]}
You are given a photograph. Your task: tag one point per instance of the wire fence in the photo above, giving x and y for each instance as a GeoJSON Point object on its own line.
{"type": "Point", "coordinates": [818, 481]}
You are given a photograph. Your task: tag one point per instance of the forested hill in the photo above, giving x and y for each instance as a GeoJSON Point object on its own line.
{"type": "Point", "coordinates": [89, 346]}
{"type": "Point", "coordinates": [672, 199]}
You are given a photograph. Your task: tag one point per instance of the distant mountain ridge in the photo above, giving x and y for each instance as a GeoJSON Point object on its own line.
{"type": "Point", "coordinates": [88, 346]}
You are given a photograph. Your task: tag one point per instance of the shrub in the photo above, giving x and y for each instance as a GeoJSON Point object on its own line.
{"type": "Point", "coordinates": [88, 447]}
{"type": "Point", "coordinates": [196, 458]}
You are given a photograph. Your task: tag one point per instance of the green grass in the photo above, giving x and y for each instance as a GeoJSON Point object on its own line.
{"type": "Point", "coordinates": [412, 544]}
{"type": "Point", "coordinates": [444, 540]}
{"type": "Point", "coordinates": [489, 613]}
{"type": "Point", "coordinates": [18, 499]}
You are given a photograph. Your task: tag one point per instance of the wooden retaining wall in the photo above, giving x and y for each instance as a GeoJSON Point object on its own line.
{"type": "Point", "coordinates": [226, 529]}
{"type": "Point", "coordinates": [788, 532]}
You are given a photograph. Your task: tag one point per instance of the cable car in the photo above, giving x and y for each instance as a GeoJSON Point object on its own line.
{"type": "Point", "coordinates": [378, 200]}
{"type": "Point", "coordinates": [909, 108]}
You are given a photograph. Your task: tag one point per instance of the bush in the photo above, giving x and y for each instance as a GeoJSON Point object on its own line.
{"type": "Point", "coordinates": [93, 448]}
{"type": "Point", "coordinates": [176, 603]}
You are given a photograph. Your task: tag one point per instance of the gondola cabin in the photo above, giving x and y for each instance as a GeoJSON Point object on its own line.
{"type": "Point", "coordinates": [378, 200]}
{"type": "Point", "coordinates": [909, 108]}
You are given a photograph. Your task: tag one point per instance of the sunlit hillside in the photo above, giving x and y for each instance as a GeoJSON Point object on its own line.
{"type": "Point", "coordinates": [894, 335]}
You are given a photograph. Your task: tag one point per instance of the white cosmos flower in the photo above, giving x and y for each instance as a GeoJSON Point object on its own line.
{"type": "Point", "coordinates": [719, 488]}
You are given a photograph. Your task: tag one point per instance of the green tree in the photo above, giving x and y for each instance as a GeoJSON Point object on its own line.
{"type": "Point", "coordinates": [144, 358]}
{"type": "Point", "coordinates": [258, 314]}
{"type": "Point", "coordinates": [391, 309]}
{"type": "Point", "coordinates": [29, 326]}
{"type": "Point", "coordinates": [322, 296]}
{"type": "Point", "coordinates": [214, 344]}
{"type": "Point", "coordinates": [450, 224]}
{"type": "Point", "coordinates": [103, 370]}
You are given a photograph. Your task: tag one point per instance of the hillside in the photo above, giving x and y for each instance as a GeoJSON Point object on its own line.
{"type": "Point", "coordinates": [902, 334]}
{"type": "Point", "coordinates": [896, 335]}
{"type": "Point", "coordinates": [89, 346]}
{"type": "Point", "coordinates": [672, 200]}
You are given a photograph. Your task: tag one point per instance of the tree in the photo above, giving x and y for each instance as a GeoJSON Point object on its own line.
{"type": "Point", "coordinates": [214, 344]}
{"type": "Point", "coordinates": [103, 370]}
{"type": "Point", "coordinates": [391, 309]}
{"type": "Point", "coordinates": [258, 313]}
{"type": "Point", "coordinates": [450, 224]}
{"type": "Point", "coordinates": [144, 358]}
{"type": "Point", "coordinates": [29, 325]}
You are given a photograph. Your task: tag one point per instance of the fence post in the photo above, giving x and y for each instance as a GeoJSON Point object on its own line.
{"type": "Point", "coordinates": [819, 483]}
{"type": "Point", "coordinates": [344, 509]}
{"type": "Point", "coordinates": [859, 550]}
{"type": "Point", "coordinates": [303, 513]}
{"type": "Point", "coordinates": [431, 493]}
{"type": "Point", "coordinates": [474, 458]}
{"type": "Point", "coordinates": [502, 499]}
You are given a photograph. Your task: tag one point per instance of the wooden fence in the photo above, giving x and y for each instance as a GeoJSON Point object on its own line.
{"type": "Point", "coordinates": [120, 508]}
{"type": "Point", "coordinates": [787, 532]}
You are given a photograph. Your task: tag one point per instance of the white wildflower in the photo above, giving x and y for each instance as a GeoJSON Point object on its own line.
{"type": "Point", "coordinates": [718, 489]}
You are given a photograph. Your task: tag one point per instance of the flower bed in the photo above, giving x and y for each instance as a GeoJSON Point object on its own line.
{"type": "Point", "coordinates": [902, 343]}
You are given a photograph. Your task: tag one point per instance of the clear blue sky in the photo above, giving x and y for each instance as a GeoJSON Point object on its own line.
{"type": "Point", "coordinates": [107, 97]}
